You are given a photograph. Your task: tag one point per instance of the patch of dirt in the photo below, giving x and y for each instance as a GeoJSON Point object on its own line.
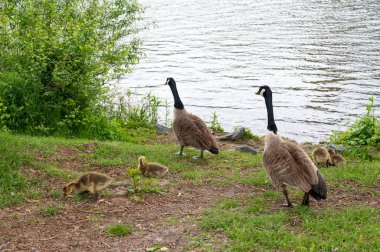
{"type": "Point", "coordinates": [82, 226]}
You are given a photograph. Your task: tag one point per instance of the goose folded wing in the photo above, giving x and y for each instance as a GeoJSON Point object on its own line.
{"type": "Point", "coordinates": [303, 162]}
{"type": "Point", "coordinates": [283, 169]}
{"type": "Point", "coordinates": [204, 137]}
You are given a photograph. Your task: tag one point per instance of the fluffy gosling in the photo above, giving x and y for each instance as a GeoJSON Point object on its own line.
{"type": "Point", "coordinates": [336, 159]}
{"type": "Point", "coordinates": [92, 182]}
{"type": "Point", "coordinates": [149, 169]}
{"type": "Point", "coordinates": [321, 156]}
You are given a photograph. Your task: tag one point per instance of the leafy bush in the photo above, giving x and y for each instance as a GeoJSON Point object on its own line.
{"type": "Point", "coordinates": [362, 135]}
{"type": "Point", "coordinates": [215, 124]}
{"type": "Point", "coordinates": [56, 58]}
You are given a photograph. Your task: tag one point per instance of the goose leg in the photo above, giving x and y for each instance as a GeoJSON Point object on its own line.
{"type": "Point", "coordinates": [181, 151]}
{"type": "Point", "coordinates": [285, 192]}
{"type": "Point", "coordinates": [305, 201]}
{"type": "Point", "coordinates": [200, 157]}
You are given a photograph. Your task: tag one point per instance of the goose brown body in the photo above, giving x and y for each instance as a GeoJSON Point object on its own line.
{"type": "Point", "coordinates": [189, 129]}
{"type": "Point", "coordinates": [287, 164]}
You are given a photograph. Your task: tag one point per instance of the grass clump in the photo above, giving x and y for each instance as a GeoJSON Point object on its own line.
{"type": "Point", "coordinates": [363, 135]}
{"type": "Point", "coordinates": [49, 211]}
{"type": "Point", "coordinates": [119, 230]}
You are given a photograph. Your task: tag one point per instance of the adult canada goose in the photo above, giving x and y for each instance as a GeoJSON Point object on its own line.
{"type": "Point", "coordinates": [286, 163]}
{"type": "Point", "coordinates": [336, 159]}
{"type": "Point", "coordinates": [321, 156]}
{"type": "Point", "coordinates": [91, 182]}
{"type": "Point", "coordinates": [189, 129]}
{"type": "Point", "coordinates": [149, 169]}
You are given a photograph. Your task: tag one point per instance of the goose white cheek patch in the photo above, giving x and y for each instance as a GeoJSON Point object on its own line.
{"type": "Point", "coordinates": [262, 92]}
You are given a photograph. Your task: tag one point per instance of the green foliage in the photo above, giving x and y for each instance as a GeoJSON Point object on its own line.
{"type": "Point", "coordinates": [215, 124]}
{"type": "Point", "coordinates": [56, 58]}
{"type": "Point", "coordinates": [142, 185]}
{"type": "Point", "coordinates": [119, 230]}
{"type": "Point", "coordinates": [248, 135]}
{"type": "Point", "coordinates": [363, 135]}
{"type": "Point", "coordinates": [137, 113]}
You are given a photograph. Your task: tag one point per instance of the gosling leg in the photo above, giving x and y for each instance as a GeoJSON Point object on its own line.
{"type": "Point", "coordinates": [305, 201]}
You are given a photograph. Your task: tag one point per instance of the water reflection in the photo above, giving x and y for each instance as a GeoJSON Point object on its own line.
{"type": "Point", "coordinates": [321, 58]}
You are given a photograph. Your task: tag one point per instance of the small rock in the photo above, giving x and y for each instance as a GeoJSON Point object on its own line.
{"type": "Point", "coordinates": [334, 147]}
{"type": "Point", "coordinates": [162, 129]}
{"type": "Point", "coordinates": [246, 149]}
{"type": "Point", "coordinates": [237, 134]}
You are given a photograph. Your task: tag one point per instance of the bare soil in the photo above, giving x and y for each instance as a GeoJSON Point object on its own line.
{"type": "Point", "coordinates": [169, 219]}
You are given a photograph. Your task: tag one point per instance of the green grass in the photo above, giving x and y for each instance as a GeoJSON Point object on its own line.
{"type": "Point", "coordinates": [119, 230]}
{"type": "Point", "coordinates": [49, 210]}
{"type": "Point", "coordinates": [239, 223]}
{"type": "Point", "coordinates": [298, 229]}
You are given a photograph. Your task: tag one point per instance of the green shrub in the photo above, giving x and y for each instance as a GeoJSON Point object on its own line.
{"type": "Point", "coordinates": [56, 58]}
{"type": "Point", "coordinates": [362, 135]}
{"type": "Point", "coordinates": [215, 124]}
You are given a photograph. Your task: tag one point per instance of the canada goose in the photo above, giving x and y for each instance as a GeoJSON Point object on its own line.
{"type": "Point", "coordinates": [189, 129]}
{"type": "Point", "coordinates": [287, 164]}
{"type": "Point", "coordinates": [321, 156]}
{"type": "Point", "coordinates": [90, 181]}
{"type": "Point", "coordinates": [336, 159]}
{"type": "Point", "coordinates": [149, 169]}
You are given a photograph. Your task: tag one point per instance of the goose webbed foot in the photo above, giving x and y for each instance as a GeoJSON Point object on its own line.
{"type": "Point", "coordinates": [180, 153]}
{"type": "Point", "coordinates": [199, 157]}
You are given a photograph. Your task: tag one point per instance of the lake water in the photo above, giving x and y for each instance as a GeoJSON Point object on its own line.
{"type": "Point", "coordinates": [321, 59]}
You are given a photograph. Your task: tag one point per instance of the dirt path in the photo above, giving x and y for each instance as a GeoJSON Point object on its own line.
{"type": "Point", "coordinates": [167, 220]}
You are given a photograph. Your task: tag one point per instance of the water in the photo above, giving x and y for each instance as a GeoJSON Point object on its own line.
{"type": "Point", "coordinates": [321, 59]}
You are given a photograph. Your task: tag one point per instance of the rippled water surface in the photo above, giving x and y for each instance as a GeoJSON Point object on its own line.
{"type": "Point", "coordinates": [321, 59]}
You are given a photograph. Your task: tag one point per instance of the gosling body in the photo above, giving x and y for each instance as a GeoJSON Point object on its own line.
{"type": "Point", "coordinates": [92, 182]}
{"type": "Point", "coordinates": [336, 159]}
{"type": "Point", "coordinates": [151, 168]}
{"type": "Point", "coordinates": [189, 129]}
{"type": "Point", "coordinates": [321, 156]}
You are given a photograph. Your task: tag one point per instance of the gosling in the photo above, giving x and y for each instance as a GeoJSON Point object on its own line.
{"type": "Point", "coordinates": [149, 169]}
{"type": "Point", "coordinates": [321, 156]}
{"type": "Point", "coordinates": [92, 182]}
{"type": "Point", "coordinates": [336, 159]}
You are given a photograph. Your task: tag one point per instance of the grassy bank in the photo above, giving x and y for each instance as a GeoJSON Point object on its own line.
{"type": "Point", "coordinates": [227, 196]}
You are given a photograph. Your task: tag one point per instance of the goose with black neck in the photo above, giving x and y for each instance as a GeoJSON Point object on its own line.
{"type": "Point", "coordinates": [189, 129]}
{"type": "Point", "coordinates": [287, 164]}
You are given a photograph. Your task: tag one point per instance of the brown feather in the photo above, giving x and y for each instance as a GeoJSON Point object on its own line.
{"type": "Point", "coordinates": [190, 130]}
{"type": "Point", "coordinates": [288, 164]}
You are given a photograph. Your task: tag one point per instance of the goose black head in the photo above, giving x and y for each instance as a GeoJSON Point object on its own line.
{"type": "Point", "coordinates": [173, 86]}
{"type": "Point", "coordinates": [264, 91]}
{"type": "Point", "coordinates": [170, 81]}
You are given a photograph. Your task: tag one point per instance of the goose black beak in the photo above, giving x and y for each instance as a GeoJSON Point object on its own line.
{"type": "Point", "coordinates": [258, 93]}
